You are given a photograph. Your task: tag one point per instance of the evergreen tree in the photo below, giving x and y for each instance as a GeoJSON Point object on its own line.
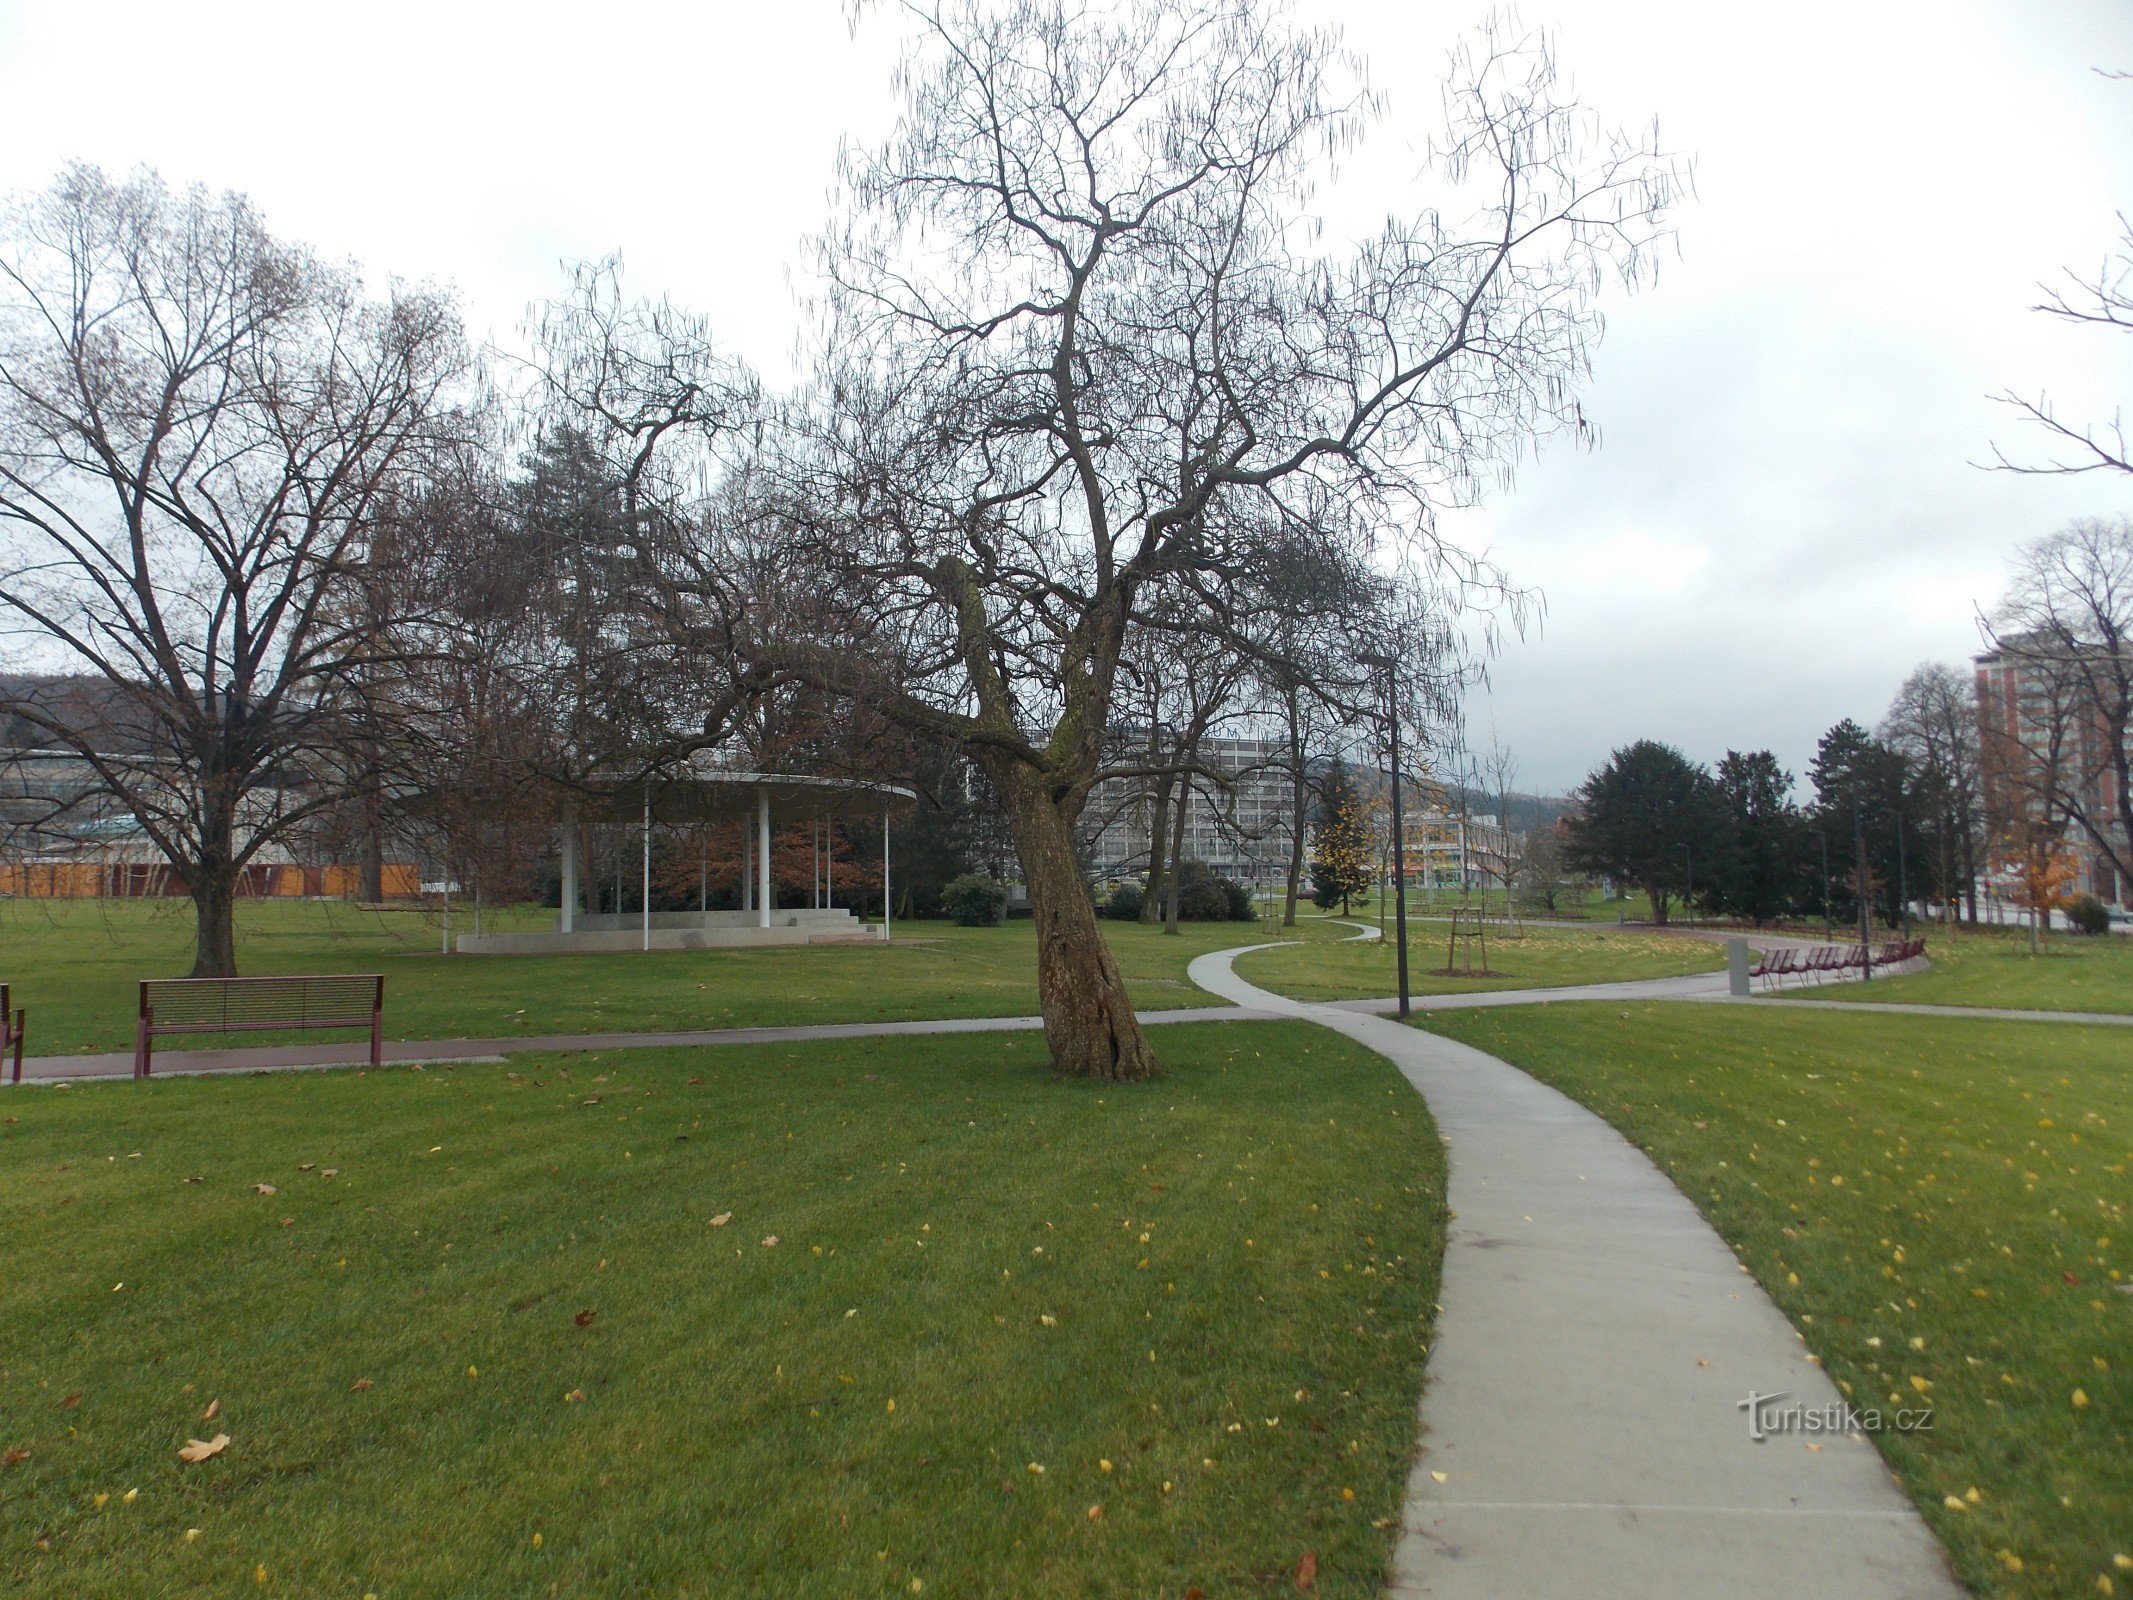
{"type": "Point", "coordinates": [1761, 874]}
{"type": "Point", "coordinates": [1343, 849]}
{"type": "Point", "coordinates": [1866, 791]}
{"type": "Point", "coordinates": [1647, 818]}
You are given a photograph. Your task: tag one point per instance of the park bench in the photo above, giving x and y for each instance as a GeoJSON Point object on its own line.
{"type": "Point", "coordinates": [10, 1033]}
{"type": "Point", "coordinates": [257, 1005]}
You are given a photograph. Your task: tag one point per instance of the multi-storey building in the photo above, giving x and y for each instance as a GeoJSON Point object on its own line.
{"type": "Point", "coordinates": [2038, 734]}
{"type": "Point", "coordinates": [1239, 825]}
{"type": "Point", "coordinates": [1242, 825]}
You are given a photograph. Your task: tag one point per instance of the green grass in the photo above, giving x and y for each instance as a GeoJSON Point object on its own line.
{"type": "Point", "coordinates": [74, 965]}
{"type": "Point", "coordinates": [1238, 1263]}
{"type": "Point", "coordinates": [1544, 958]}
{"type": "Point", "coordinates": [1927, 1199]}
{"type": "Point", "coordinates": [1993, 967]}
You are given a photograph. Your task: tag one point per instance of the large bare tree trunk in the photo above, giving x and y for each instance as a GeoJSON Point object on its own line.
{"type": "Point", "coordinates": [215, 921]}
{"type": "Point", "coordinates": [373, 887]}
{"type": "Point", "coordinates": [1177, 854]}
{"type": "Point", "coordinates": [1658, 898]}
{"type": "Point", "coordinates": [1158, 846]}
{"type": "Point", "coordinates": [1088, 1020]}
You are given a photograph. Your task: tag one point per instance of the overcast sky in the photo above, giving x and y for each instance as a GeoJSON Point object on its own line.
{"type": "Point", "coordinates": [1782, 518]}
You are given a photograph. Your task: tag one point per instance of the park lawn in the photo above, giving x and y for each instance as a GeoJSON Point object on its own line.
{"type": "Point", "coordinates": [74, 966]}
{"type": "Point", "coordinates": [1993, 967]}
{"type": "Point", "coordinates": [1543, 958]}
{"type": "Point", "coordinates": [1931, 1201]}
{"type": "Point", "coordinates": [774, 1320]}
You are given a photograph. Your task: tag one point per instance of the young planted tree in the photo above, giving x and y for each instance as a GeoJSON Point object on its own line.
{"type": "Point", "coordinates": [199, 425]}
{"type": "Point", "coordinates": [1086, 343]}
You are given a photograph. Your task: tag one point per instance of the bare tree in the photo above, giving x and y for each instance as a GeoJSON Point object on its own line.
{"type": "Point", "coordinates": [2103, 299]}
{"type": "Point", "coordinates": [1085, 342]}
{"type": "Point", "coordinates": [198, 424]}
{"type": "Point", "coordinates": [1933, 722]}
{"type": "Point", "coordinates": [2066, 625]}
{"type": "Point", "coordinates": [1498, 767]}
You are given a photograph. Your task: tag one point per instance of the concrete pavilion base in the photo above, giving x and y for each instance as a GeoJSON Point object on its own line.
{"type": "Point", "coordinates": [677, 930]}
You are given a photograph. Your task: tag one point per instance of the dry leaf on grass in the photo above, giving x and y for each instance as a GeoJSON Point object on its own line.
{"type": "Point", "coordinates": [770, 1241]}
{"type": "Point", "coordinates": [264, 1188]}
{"type": "Point", "coordinates": [214, 1410]}
{"type": "Point", "coordinates": [71, 1401]}
{"type": "Point", "coordinates": [359, 1385]}
{"type": "Point", "coordinates": [1307, 1570]}
{"type": "Point", "coordinates": [200, 1449]}
{"type": "Point", "coordinates": [584, 1319]}
{"type": "Point", "coordinates": [721, 1219]}
{"type": "Point", "coordinates": [9, 1457]}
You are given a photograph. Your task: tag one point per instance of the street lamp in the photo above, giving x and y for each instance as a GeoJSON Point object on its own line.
{"type": "Point", "coordinates": [1399, 832]}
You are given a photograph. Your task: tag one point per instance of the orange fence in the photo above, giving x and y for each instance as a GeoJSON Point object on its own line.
{"type": "Point", "coordinates": [97, 880]}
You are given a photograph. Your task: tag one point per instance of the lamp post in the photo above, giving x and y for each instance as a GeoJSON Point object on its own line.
{"type": "Point", "coordinates": [1866, 905]}
{"type": "Point", "coordinates": [1903, 876]}
{"type": "Point", "coordinates": [1399, 827]}
{"type": "Point", "coordinates": [1829, 922]}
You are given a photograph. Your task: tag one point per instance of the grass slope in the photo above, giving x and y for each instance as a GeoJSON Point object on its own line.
{"type": "Point", "coordinates": [1545, 958]}
{"type": "Point", "coordinates": [1994, 968]}
{"type": "Point", "coordinates": [74, 966]}
{"type": "Point", "coordinates": [1941, 1207]}
{"type": "Point", "coordinates": [1219, 1283]}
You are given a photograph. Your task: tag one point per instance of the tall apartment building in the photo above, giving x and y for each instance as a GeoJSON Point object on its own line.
{"type": "Point", "coordinates": [2029, 721]}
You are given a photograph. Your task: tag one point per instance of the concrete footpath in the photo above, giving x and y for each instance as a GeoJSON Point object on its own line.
{"type": "Point", "coordinates": [1582, 1430]}
{"type": "Point", "coordinates": [411, 1052]}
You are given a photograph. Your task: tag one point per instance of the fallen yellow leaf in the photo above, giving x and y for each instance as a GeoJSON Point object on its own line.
{"type": "Point", "coordinates": [201, 1449]}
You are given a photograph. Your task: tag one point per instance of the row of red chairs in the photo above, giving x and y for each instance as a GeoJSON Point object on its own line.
{"type": "Point", "coordinates": [1813, 962]}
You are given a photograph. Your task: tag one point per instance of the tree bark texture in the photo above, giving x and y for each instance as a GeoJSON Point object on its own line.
{"type": "Point", "coordinates": [1089, 1023]}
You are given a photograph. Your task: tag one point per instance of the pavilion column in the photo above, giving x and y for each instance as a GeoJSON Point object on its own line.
{"type": "Point", "coordinates": [762, 836]}
{"type": "Point", "coordinates": [747, 864]}
{"type": "Point", "coordinates": [567, 918]}
{"type": "Point", "coordinates": [884, 874]}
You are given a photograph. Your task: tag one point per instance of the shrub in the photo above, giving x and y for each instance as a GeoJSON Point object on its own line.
{"type": "Point", "coordinates": [1204, 895]}
{"type": "Point", "coordinates": [974, 901]}
{"type": "Point", "coordinates": [1123, 903]}
{"type": "Point", "coordinates": [2088, 915]}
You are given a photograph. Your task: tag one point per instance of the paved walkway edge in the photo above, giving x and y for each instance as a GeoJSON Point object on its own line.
{"type": "Point", "coordinates": [428, 1052]}
{"type": "Point", "coordinates": [1581, 1432]}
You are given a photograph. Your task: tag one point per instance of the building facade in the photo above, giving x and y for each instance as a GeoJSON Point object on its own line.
{"type": "Point", "coordinates": [2037, 733]}
{"type": "Point", "coordinates": [1242, 825]}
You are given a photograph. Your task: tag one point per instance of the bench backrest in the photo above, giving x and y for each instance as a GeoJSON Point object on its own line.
{"type": "Point", "coordinates": [232, 1005]}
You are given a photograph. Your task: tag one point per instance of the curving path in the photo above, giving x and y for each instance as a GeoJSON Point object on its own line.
{"type": "Point", "coordinates": [1582, 1434]}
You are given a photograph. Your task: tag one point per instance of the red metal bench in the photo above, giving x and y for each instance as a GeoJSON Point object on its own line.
{"type": "Point", "coordinates": [258, 1005]}
{"type": "Point", "coordinates": [10, 1033]}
